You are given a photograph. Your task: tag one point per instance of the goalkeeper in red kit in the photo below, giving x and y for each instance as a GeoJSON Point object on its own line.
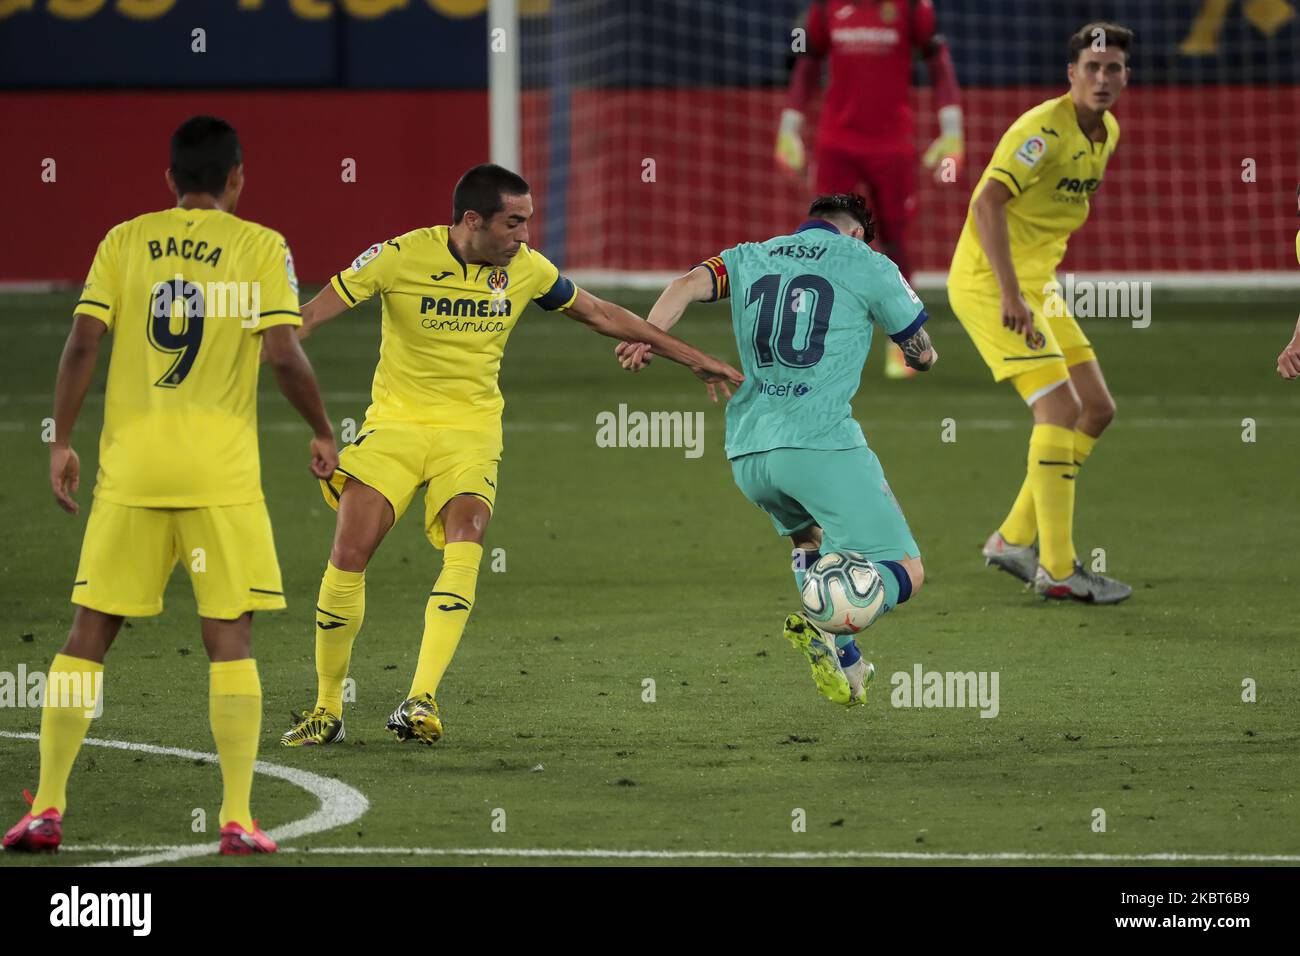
{"type": "Point", "coordinates": [865, 139]}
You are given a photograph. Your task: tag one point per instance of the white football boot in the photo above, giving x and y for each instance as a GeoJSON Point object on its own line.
{"type": "Point", "coordinates": [1081, 585]}
{"type": "Point", "coordinates": [1019, 560]}
{"type": "Point", "coordinates": [860, 674]}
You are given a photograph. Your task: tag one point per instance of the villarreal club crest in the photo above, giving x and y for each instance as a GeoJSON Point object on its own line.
{"type": "Point", "coordinates": [497, 280]}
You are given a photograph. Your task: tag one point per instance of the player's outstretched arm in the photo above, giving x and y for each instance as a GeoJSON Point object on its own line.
{"type": "Point", "coordinates": [76, 368]}
{"type": "Point", "coordinates": [990, 210]}
{"type": "Point", "coordinates": [1288, 363]}
{"type": "Point", "coordinates": [613, 320]}
{"type": "Point", "coordinates": [326, 305]}
{"type": "Point", "coordinates": [695, 286]}
{"type": "Point", "coordinates": [297, 382]}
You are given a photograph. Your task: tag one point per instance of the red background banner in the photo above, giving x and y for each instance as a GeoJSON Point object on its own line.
{"type": "Point", "coordinates": [1173, 198]}
{"type": "Point", "coordinates": [111, 150]}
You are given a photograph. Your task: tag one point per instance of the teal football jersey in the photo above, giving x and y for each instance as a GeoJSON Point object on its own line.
{"type": "Point", "coordinates": [802, 309]}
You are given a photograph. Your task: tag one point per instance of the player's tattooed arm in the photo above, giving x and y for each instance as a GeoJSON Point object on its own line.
{"type": "Point", "coordinates": [919, 352]}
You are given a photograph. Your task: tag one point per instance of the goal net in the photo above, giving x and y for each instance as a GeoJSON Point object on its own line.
{"type": "Point", "coordinates": [647, 131]}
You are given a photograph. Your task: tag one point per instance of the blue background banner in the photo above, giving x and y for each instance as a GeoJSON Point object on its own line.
{"type": "Point", "coordinates": [442, 44]}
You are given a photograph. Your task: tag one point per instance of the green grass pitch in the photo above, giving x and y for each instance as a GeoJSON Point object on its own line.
{"type": "Point", "coordinates": [623, 565]}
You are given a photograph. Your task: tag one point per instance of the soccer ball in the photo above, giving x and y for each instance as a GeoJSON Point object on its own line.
{"type": "Point", "coordinates": [842, 592]}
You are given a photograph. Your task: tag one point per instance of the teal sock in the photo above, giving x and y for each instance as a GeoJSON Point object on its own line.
{"type": "Point", "coordinates": [800, 562]}
{"type": "Point", "coordinates": [847, 648]}
{"type": "Point", "coordinates": [888, 576]}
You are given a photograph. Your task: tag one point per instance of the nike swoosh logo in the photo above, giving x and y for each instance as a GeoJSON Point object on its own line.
{"type": "Point", "coordinates": [1078, 154]}
{"type": "Point", "coordinates": [440, 276]}
{"type": "Point", "coordinates": [394, 243]}
{"type": "Point", "coordinates": [329, 625]}
{"type": "Point", "coordinates": [489, 483]}
{"type": "Point", "coordinates": [453, 607]}
{"type": "Point", "coordinates": [1050, 132]}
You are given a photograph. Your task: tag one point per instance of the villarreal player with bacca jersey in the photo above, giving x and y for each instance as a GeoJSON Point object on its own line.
{"type": "Point", "coordinates": [450, 295]}
{"type": "Point", "coordinates": [1033, 195]}
{"type": "Point", "coordinates": [191, 295]}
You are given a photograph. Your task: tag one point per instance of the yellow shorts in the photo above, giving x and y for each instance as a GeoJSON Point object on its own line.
{"type": "Point", "coordinates": [398, 458]}
{"type": "Point", "coordinates": [129, 552]}
{"type": "Point", "coordinates": [1032, 364]}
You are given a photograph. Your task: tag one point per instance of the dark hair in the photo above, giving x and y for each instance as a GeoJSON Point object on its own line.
{"type": "Point", "coordinates": [204, 151]}
{"type": "Point", "coordinates": [1116, 36]}
{"type": "Point", "coordinates": [481, 189]}
{"type": "Point", "coordinates": [845, 204]}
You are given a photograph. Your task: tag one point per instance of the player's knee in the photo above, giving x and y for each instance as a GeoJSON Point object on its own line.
{"type": "Point", "coordinates": [908, 573]}
{"type": "Point", "coordinates": [916, 573]}
{"type": "Point", "coordinates": [809, 539]}
{"type": "Point", "coordinates": [350, 556]}
{"type": "Point", "coordinates": [1099, 412]}
{"type": "Point", "coordinates": [465, 518]}
{"type": "Point", "coordinates": [1060, 406]}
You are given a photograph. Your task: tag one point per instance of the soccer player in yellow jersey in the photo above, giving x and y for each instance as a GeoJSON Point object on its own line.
{"type": "Point", "coordinates": [1288, 362]}
{"type": "Point", "coordinates": [450, 296]}
{"type": "Point", "coordinates": [191, 294]}
{"type": "Point", "coordinates": [1034, 193]}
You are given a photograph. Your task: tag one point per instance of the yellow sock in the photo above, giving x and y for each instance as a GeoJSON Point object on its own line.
{"type": "Point", "coordinates": [1021, 524]}
{"type": "Point", "coordinates": [1083, 445]}
{"type": "Point", "coordinates": [72, 690]}
{"type": "Point", "coordinates": [235, 712]}
{"type": "Point", "coordinates": [1051, 474]}
{"type": "Point", "coordinates": [340, 608]}
{"type": "Point", "coordinates": [445, 615]}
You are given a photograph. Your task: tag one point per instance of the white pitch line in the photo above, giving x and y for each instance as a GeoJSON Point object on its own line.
{"type": "Point", "coordinates": [340, 804]}
{"type": "Point", "coordinates": [597, 854]}
{"type": "Point", "coordinates": [894, 424]}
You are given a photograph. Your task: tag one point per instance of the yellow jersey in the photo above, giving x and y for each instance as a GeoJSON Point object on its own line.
{"type": "Point", "coordinates": [185, 293]}
{"type": "Point", "coordinates": [1052, 169]}
{"type": "Point", "coordinates": [444, 325]}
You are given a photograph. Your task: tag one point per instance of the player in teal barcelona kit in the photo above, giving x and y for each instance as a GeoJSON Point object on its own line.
{"type": "Point", "coordinates": [802, 311]}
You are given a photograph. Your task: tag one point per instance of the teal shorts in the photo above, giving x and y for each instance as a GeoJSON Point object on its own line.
{"type": "Point", "coordinates": [844, 492]}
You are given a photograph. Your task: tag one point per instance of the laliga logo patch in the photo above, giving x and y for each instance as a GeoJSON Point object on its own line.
{"type": "Point", "coordinates": [366, 256]}
{"type": "Point", "coordinates": [497, 281]}
{"type": "Point", "coordinates": [1032, 150]}
{"type": "Point", "coordinates": [910, 292]}
{"type": "Point", "coordinates": [1036, 341]}
{"type": "Point", "coordinates": [290, 273]}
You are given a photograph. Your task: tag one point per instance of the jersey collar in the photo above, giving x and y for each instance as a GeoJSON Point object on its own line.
{"type": "Point", "coordinates": [451, 250]}
{"type": "Point", "coordinates": [816, 224]}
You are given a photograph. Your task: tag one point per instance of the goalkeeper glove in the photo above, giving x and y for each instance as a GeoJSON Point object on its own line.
{"type": "Point", "coordinates": [949, 145]}
{"type": "Point", "coordinates": [789, 141]}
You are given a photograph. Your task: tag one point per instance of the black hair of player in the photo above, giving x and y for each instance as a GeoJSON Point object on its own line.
{"type": "Point", "coordinates": [1116, 36]}
{"type": "Point", "coordinates": [204, 151]}
{"type": "Point", "coordinates": [481, 189]}
{"type": "Point", "coordinates": [845, 204]}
